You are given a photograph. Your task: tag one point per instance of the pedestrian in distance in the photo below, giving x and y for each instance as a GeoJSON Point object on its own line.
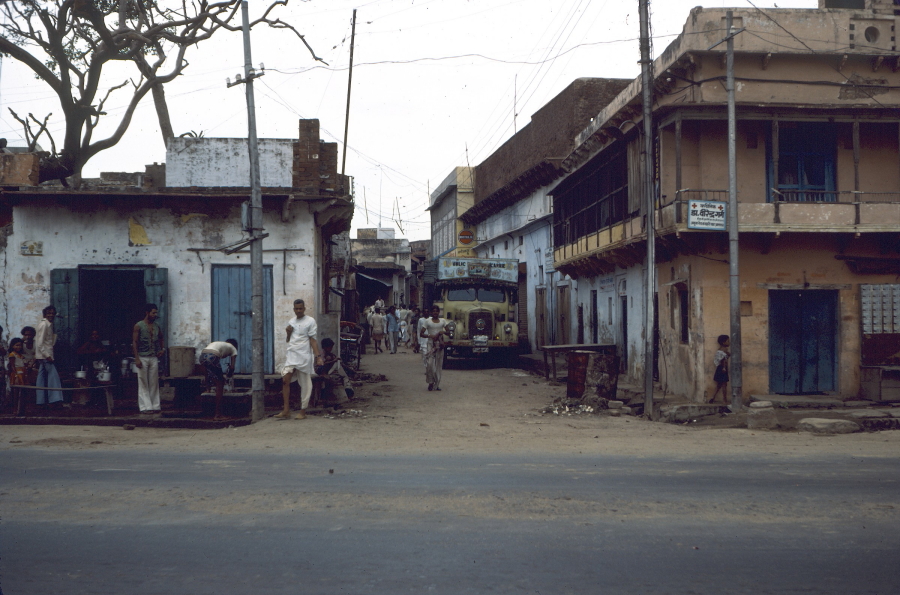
{"type": "Point", "coordinates": [148, 346]}
{"type": "Point", "coordinates": [377, 323]}
{"type": "Point", "coordinates": [434, 329]}
{"type": "Point", "coordinates": [303, 356]}
{"type": "Point", "coordinates": [720, 361]}
{"type": "Point", "coordinates": [211, 358]}
{"type": "Point", "coordinates": [393, 328]}
{"type": "Point", "coordinates": [47, 376]}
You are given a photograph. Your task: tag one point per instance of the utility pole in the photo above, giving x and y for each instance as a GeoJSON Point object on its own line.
{"type": "Point", "coordinates": [349, 83]}
{"type": "Point", "coordinates": [734, 278]}
{"type": "Point", "coordinates": [649, 207]}
{"type": "Point", "coordinates": [258, 410]}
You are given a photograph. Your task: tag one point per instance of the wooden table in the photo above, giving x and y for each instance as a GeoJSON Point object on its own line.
{"type": "Point", "coordinates": [552, 350]}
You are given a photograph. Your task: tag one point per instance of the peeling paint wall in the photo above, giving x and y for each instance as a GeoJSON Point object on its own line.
{"type": "Point", "coordinates": [98, 235]}
{"type": "Point", "coordinates": [225, 162]}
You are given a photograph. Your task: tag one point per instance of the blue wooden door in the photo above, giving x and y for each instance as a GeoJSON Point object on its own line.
{"type": "Point", "coordinates": [803, 333]}
{"type": "Point", "coordinates": [231, 313]}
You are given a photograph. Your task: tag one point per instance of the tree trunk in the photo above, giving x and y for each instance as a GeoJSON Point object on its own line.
{"type": "Point", "coordinates": [162, 112]}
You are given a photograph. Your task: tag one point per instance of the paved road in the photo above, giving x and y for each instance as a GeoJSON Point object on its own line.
{"type": "Point", "coordinates": [141, 523]}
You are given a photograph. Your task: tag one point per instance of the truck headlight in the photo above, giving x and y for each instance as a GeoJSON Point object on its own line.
{"type": "Point", "coordinates": [507, 329]}
{"type": "Point", "coordinates": [451, 326]}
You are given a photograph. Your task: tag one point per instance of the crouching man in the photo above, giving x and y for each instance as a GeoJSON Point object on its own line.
{"type": "Point", "coordinates": [211, 359]}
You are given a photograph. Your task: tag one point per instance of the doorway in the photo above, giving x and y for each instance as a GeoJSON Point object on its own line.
{"type": "Point", "coordinates": [232, 315]}
{"type": "Point", "coordinates": [803, 329]}
{"type": "Point", "coordinates": [623, 349]}
{"type": "Point", "coordinates": [564, 315]}
{"type": "Point", "coordinates": [540, 315]}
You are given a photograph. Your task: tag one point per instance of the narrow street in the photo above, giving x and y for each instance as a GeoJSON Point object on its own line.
{"type": "Point", "coordinates": [467, 490]}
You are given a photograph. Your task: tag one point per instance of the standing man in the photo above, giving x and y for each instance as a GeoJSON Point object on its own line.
{"type": "Point", "coordinates": [393, 329]}
{"type": "Point", "coordinates": [302, 345]}
{"type": "Point", "coordinates": [434, 329]}
{"type": "Point", "coordinates": [148, 346]}
{"type": "Point", "coordinates": [48, 377]}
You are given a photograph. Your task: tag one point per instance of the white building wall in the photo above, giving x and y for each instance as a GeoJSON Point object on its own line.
{"type": "Point", "coordinates": [225, 162]}
{"type": "Point", "coordinates": [74, 237]}
{"type": "Point", "coordinates": [499, 236]}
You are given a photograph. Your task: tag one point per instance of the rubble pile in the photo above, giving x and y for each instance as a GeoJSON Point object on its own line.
{"type": "Point", "coordinates": [345, 414]}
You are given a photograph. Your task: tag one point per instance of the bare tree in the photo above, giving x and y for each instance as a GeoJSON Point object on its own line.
{"type": "Point", "coordinates": [67, 43]}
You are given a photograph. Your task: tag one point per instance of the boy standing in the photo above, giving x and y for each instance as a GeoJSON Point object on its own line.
{"type": "Point", "coordinates": [720, 376]}
{"type": "Point", "coordinates": [302, 345]}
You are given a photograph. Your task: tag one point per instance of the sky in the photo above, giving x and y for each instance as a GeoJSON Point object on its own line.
{"type": "Point", "coordinates": [436, 84]}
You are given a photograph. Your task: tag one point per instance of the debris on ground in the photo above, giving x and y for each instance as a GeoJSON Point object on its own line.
{"type": "Point", "coordinates": [345, 414]}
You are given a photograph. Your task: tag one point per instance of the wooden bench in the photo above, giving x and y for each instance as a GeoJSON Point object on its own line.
{"type": "Point", "coordinates": [552, 350]}
{"type": "Point", "coordinates": [20, 405]}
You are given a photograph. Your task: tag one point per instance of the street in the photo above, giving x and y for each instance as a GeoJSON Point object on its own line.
{"type": "Point", "coordinates": [367, 505]}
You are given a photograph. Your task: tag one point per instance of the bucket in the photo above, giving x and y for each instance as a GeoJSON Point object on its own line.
{"type": "Point", "coordinates": [577, 362]}
{"type": "Point", "coordinates": [181, 361]}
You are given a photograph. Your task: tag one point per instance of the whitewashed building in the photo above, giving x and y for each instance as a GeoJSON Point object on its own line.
{"type": "Point", "coordinates": [101, 252]}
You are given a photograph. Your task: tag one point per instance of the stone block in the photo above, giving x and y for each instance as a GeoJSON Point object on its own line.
{"type": "Point", "coordinates": [761, 405]}
{"type": "Point", "coordinates": [761, 418]}
{"type": "Point", "coordinates": [818, 425]}
{"type": "Point", "coordinates": [615, 404]}
{"type": "Point", "coordinates": [869, 414]}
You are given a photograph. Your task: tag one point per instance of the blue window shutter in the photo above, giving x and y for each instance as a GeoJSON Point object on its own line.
{"type": "Point", "coordinates": [64, 297]}
{"type": "Point", "coordinates": [156, 285]}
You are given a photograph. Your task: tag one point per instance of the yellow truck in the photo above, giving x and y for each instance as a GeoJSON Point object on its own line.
{"type": "Point", "coordinates": [479, 298]}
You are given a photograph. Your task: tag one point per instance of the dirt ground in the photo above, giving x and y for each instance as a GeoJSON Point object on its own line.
{"type": "Point", "coordinates": [479, 411]}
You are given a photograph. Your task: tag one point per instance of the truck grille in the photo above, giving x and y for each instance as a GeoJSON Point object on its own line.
{"type": "Point", "coordinates": [481, 323]}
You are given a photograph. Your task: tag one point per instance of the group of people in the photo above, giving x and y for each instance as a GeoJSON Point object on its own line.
{"type": "Point", "coordinates": [391, 326]}
{"type": "Point", "coordinates": [29, 361]}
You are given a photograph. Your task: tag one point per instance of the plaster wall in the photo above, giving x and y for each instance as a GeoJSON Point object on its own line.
{"type": "Point", "coordinates": [225, 162]}
{"type": "Point", "coordinates": [528, 219]}
{"type": "Point", "coordinates": [98, 235]}
{"type": "Point", "coordinates": [794, 260]}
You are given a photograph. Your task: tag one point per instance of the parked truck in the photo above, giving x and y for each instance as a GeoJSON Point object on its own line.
{"type": "Point", "coordinates": [479, 298]}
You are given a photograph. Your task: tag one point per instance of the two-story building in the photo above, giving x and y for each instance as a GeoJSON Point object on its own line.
{"type": "Point", "coordinates": [818, 175]}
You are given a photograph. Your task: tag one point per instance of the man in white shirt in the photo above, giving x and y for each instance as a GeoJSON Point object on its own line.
{"type": "Point", "coordinates": [302, 345]}
{"type": "Point", "coordinates": [211, 358]}
{"type": "Point", "coordinates": [44, 340]}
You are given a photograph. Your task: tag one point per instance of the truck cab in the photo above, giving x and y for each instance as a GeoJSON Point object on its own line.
{"type": "Point", "coordinates": [480, 302]}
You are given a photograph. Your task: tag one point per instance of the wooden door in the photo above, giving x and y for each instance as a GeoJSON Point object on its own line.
{"type": "Point", "coordinates": [540, 316]}
{"type": "Point", "coordinates": [803, 331]}
{"type": "Point", "coordinates": [231, 313]}
{"type": "Point", "coordinates": [563, 316]}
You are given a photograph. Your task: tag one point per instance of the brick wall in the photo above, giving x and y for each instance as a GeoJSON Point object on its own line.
{"type": "Point", "coordinates": [551, 133]}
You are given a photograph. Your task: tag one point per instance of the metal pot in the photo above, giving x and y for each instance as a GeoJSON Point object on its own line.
{"type": "Point", "coordinates": [104, 376]}
{"type": "Point", "coordinates": [81, 374]}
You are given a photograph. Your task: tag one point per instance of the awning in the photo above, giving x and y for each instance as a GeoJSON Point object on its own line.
{"type": "Point", "coordinates": [385, 283]}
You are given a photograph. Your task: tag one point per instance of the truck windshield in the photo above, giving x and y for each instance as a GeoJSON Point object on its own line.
{"type": "Point", "coordinates": [471, 294]}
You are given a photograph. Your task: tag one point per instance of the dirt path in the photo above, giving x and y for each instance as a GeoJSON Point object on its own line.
{"type": "Point", "coordinates": [489, 411]}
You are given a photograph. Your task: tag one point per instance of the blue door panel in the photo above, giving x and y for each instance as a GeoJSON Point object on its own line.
{"type": "Point", "coordinates": [232, 313]}
{"type": "Point", "coordinates": [802, 341]}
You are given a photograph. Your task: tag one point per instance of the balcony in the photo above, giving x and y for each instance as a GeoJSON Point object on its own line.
{"type": "Point", "coordinates": [797, 212]}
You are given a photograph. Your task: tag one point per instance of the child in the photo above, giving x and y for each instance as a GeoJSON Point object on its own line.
{"type": "Point", "coordinates": [720, 360]}
{"type": "Point", "coordinates": [18, 370]}
{"type": "Point", "coordinates": [17, 366]}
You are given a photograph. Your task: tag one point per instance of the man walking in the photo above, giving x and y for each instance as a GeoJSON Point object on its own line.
{"type": "Point", "coordinates": [148, 346]}
{"type": "Point", "coordinates": [434, 329]}
{"type": "Point", "coordinates": [44, 341]}
{"type": "Point", "coordinates": [301, 339]}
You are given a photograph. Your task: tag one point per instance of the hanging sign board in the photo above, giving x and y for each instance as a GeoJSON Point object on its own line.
{"type": "Point", "coordinates": [706, 214]}
{"type": "Point", "coordinates": [478, 268]}
{"type": "Point", "coordinates": [466, 237]}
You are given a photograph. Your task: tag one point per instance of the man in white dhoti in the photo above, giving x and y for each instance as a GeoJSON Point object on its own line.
{"type": "Point", "coordinates": [302, 345]}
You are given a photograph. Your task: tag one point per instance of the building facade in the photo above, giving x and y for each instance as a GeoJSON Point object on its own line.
{"type": "Point", "coordinates": [818, 174]}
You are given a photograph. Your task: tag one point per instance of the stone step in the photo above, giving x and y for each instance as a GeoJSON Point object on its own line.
{"type": "Point", "coordinates": [801, 401]}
